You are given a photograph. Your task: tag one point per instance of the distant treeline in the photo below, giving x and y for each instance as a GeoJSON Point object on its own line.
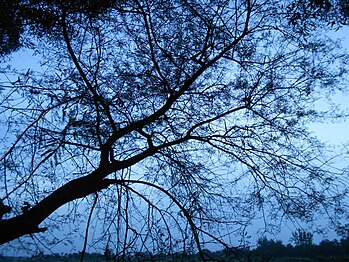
{"type": "Point", "coordinates": [325, 251]}
{"type": "Point", "coordinates": [266, 250]}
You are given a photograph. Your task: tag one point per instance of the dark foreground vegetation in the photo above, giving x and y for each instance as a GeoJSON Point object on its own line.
{"type": "Point", "coordinates": [266, 250]}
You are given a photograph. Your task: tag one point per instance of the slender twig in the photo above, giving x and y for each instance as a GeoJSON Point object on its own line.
{"type": "Point", "coordinates": [87, 228]}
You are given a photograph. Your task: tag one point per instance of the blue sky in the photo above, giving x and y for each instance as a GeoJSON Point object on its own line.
{"type": "Point", "coordinates": [336, 131]}
{"type": "Point", "coordinates": [333, 132]}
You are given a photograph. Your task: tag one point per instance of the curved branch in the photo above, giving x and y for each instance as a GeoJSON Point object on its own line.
{"type": "Point", "coordinates": [177, 203]}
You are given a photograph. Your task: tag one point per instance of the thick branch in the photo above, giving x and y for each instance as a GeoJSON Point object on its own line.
{"type": "Point", "coordinates": [28, 222]}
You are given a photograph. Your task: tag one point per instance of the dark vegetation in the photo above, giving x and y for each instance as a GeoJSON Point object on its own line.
{"type": "Point", "coordinates": [266, 251]}
{"type": "Point", "coordinates": [326, 250]}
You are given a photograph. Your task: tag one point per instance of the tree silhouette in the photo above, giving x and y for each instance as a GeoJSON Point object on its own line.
{"type": "Point", "coordinates": [162, 125]}
{"type": "Point", "coordinates": [268, 249]}
{"type": "Point", "coordinates": [302, 238]}
{"type": "Point", "coordinates": [39, 17]}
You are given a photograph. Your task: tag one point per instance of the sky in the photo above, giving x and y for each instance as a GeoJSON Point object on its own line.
{"type": "Point", "coordinates": [335, 132]}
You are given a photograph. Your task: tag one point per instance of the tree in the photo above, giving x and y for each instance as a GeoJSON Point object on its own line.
{"type": "Point", "coordinates": [39, 17]}
{"type": "Point", "coordinates": [166, 120]}
{"type": "Point", "coordinates": [329, 248]}
{"type": "Point", "coordinates": [268, 249]}
{"type": "Point", "coordinates": [302, 238]}
{"type": "Point", "coordinates": [334, 13]}
{"type": "Point", "coordinates": [304, 243]}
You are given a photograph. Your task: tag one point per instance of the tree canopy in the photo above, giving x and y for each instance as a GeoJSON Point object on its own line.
{"type": "Point", "coordinates": [41, 16]}
{"type": "Point", "coordinates": [162, 126]}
